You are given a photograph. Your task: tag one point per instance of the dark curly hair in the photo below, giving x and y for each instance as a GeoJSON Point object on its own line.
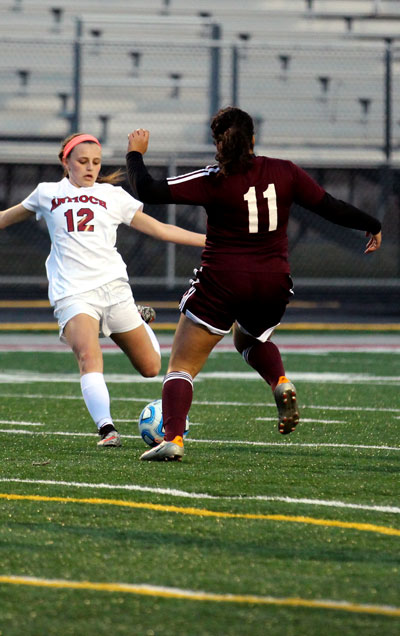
{"type": "Point", "coordinates": [233, 132]}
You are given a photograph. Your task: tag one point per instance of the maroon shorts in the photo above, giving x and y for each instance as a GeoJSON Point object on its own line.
{"type": "Point", "coordinates": [256, 300]}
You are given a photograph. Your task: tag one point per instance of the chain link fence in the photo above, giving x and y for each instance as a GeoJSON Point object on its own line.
{"type": "Point", "coordinates": [332, 109]}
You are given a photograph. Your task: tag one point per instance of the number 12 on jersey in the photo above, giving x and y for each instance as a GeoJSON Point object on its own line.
{"type": "Point", "coordinates": [251, 198]}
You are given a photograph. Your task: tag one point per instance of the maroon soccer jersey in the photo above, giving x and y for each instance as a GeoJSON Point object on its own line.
{"type": "Point", "coordinates": [247, 214]}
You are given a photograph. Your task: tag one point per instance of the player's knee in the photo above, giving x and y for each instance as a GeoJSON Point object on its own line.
{"type": "Point", "coordinates": [151, 368]}
{"type": "Point", "coordinates": [88, 361]}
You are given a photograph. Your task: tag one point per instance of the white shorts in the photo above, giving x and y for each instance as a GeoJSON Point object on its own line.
{"type": "Point", "coordinates": [112, 305]}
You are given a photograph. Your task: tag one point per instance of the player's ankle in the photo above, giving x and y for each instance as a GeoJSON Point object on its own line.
{"type": "Point", "coordinates": [175, 439]}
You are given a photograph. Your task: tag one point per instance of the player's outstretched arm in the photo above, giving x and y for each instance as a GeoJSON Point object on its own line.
{"type": "Point", "coordinates": [144, 187]}
{"type": "Point", "coordinates": [347, 215]}
{"type": "Point", "coordinates": [165, 231]}
{"type": "Point", "coordinates": [374, 242]}
{"type": "Point", "coordinates": [16, 214]}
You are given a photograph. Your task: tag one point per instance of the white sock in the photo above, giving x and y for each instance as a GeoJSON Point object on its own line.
{"type": "Point", "coordinates": [97, 398]}
{"type": "Point", "coordinates": [153, 338]}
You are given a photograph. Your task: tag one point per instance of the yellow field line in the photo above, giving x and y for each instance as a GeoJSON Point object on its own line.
{"type": "Point", "coordinates": [168, 326]}
{"type": "Point", "coordinates": [191, 595]}
{"type": "Point", "coordinates": [201, 512]}
{"type": "Point", "coordinates": [162, 304]}
{"type": "Point", "coordinates": [339, 326]}
{"type": "Point", "coordinates": [28, 326]}
{"type": "Point", "coordinates": [23, 304]}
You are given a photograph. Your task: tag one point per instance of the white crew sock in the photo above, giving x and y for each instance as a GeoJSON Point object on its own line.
{"type": "Point", "coordinates": [97, 398]}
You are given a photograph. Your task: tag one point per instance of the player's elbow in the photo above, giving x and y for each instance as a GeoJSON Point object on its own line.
{"type": "Point", "coordinates": [3, 223]}
{"type": "Point", "coordinates": [162, 232]}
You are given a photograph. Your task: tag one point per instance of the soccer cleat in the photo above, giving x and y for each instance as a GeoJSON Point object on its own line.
{"type": "Point", "coordinates": [147, 313]}
{"type": "Point", "coordinates": [166, 451]}
{"type": "Point", "coordinates": [285, 398]}
{"type": "Point", "coordinates": [109, 436]}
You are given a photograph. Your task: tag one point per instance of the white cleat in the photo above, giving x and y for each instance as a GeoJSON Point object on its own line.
{"type": "Point", "coordinates": [109, 438]}
{"type": "Point", "coordinates": [165, 452]}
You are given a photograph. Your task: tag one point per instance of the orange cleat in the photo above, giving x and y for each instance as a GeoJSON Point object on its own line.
{"type": "Point", "coordinates": [285, 398]}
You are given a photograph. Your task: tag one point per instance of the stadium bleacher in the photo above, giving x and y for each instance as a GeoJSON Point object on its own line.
{"type": "Point", "coordinates": [311, 71]}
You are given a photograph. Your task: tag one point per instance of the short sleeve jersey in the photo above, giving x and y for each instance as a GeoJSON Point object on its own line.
{"type": "Point", "coordinates": [247, 214]}
{"type": "Point", "coordinates": [82, 223]}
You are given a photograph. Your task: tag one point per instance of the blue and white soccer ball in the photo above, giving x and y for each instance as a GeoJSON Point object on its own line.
{"type": "Point", "coordinates": [151, 427]}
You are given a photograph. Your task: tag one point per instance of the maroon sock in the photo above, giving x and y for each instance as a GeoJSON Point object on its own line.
{"type": "Point", "coordinates": [266, 359]}
{"type": "Point", "coordinates": [177, 394]}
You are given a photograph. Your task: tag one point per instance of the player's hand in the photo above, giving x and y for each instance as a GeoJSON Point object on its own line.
{"type": "Point", "coordinates": [374, 242]}
{"type": "Point", "coordinates": [138, 140]}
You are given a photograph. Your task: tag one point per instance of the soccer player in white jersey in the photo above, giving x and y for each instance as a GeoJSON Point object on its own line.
{"type": "Point", "coordinates": [88, 281]}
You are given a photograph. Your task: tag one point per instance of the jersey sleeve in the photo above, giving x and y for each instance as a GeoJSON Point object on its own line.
{"type": "Point", "coordinates": [32, 202]}
{"type": "Point", "coordinates": [128, 206]}
{"type": "Point", "coordinates": [307, 192]}
{"type": "Point", "coordinates": [347, 215]}
{"type": "Point", "coordinates": [186, 188]}
{"type": "Point", "coordinates": [142, 183]}
{"type": "Point", "coordinates": [190, 188]}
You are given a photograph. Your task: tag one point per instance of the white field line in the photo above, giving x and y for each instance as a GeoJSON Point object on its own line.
{"type": "Point", "coordinates": [130, 421]}
{"type": "Point", "coordinates": [144, 400]}
{"type": "Point", "coordinates": [20, 423]}
{"type": "Point", "coordinates": [148, 590]}
{"type": "Point", "coordinates": [305, 376]}
{"type": "Point", "coordinates": [238, 442]}
{"type": "Point", "coordinates": [303, 419]}
{"type": "Point", "coordinates": [172, 492]}
{"type": "Point", "coordinates": [314, 348]}
{"type": "Point", "coordinates": [23, 377]}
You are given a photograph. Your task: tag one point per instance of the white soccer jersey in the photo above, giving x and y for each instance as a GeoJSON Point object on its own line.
{"type": "Point", "coordinates": [82, 223]}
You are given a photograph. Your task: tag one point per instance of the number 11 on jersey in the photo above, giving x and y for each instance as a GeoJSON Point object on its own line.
{"type": "Point", "coordinates": [251, 198]}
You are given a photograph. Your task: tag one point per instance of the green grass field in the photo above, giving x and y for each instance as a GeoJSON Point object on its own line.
{"type": "Point", "coordinates": [253, 533]}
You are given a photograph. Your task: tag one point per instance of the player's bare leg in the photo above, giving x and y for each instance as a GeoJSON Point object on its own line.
{"type": "Point", "coordinates": [192, 345]}
{"type": "Point", "coordinates": [82, 335]}
{"type": "Point", "coordinates": [141, 348]}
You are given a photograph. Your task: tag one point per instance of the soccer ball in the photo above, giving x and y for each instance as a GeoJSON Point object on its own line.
{"type": "Point", "coordinates": [151, 426]}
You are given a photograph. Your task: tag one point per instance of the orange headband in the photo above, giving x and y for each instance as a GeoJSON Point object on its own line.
{"type": "Point", "coordinates": [79, 139]}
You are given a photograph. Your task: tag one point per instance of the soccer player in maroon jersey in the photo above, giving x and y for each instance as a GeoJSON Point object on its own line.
{"type": "Point", "coordinates": [244, 278]}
